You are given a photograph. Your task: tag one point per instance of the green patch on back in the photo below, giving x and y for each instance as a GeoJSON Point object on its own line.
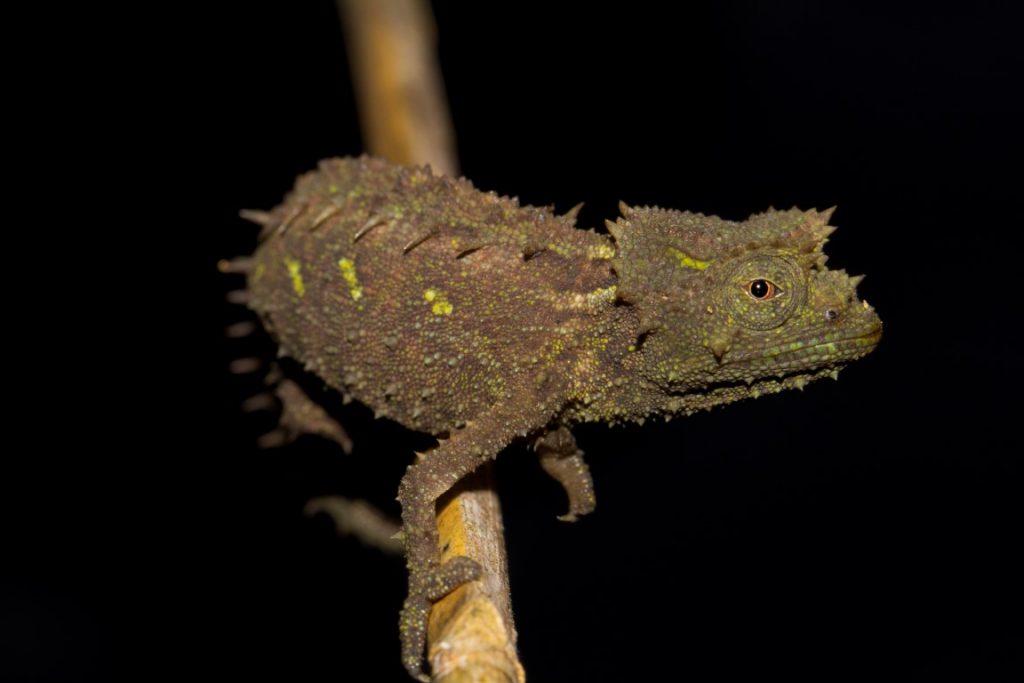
{"type": "Point", "coordinates": [295, 273]}
{"type": "Point", "coordinates": [439, 303]}
{"type": "Point", "coordinates": [351, 277]}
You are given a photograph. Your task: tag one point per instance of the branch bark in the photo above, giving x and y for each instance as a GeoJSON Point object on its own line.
{"type": "Point", "coordinates": [404, 115]}
{"type": "Point", "coordinates": [402, 106]}
{"type": "Point", "coordinates": [471, 636]}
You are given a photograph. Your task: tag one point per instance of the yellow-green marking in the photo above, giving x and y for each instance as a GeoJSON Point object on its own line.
{"type": "Point", "coordinates": [439, 303]}
{"type": "Point", "coordinates": [601, 251]}
{"type": "Point", "coordinates": [348, 273]}
{"type": "Point", "coordinates": [295, 273]}
{"type": "Point", "coordinates": [687, 261]}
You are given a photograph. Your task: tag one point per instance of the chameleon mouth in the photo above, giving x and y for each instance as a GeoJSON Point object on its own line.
{"type": "Point", "coordinates": [829, 350]}
{"type": "Point", "coordinates": [772, 379]}
{"type": "Point", "coordinates": [824, 351]}
{"type": "Point", "coordinates": [862, 343]}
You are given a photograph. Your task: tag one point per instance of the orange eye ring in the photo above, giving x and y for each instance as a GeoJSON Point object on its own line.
{"type": "Point", "coordinates": [762, 290]}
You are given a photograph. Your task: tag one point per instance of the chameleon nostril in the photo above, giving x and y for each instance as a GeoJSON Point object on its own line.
{"type": "Point", "coordinates": [831, 314]}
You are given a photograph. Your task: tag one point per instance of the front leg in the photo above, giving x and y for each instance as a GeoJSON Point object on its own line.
{"type": "Point", "coordinates": [424, 482]}
{"type": "Point", "coordinates": [562, 459]}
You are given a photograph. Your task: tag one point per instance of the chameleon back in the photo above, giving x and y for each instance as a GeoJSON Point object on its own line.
{"type": "Point", "coordinates": [421, 296]}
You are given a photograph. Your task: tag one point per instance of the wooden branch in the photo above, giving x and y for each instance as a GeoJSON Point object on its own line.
{"type": "Point", "coordinates": [399, 90]}
{"type": "Point", "coordinates": [471, 636]}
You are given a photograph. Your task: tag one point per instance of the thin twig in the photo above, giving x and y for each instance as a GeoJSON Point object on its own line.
{"type": "Point", "coordinates": [471, 635]}
{"type": "Point", "coordinates": [402, 106]}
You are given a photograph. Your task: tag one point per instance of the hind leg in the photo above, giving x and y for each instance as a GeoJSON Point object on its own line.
{"type": "Point", "coordinates": [300, 415]}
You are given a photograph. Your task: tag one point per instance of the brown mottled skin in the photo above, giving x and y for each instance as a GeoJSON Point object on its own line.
{"type": "Point", "coordinates": [462, 314]}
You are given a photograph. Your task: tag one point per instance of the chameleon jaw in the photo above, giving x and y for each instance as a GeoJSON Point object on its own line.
{"type": "Point", "coordinates": [803, 356]}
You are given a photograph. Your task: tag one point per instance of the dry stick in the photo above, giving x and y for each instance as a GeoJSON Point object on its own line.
{"type": "Point", "coordinates": [402, 106]}
{"type": "Point", "coordinates": [405, 118]}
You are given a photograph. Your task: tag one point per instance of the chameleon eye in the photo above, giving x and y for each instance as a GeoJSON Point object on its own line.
{"type": "Point", "coordinates": [772, 287]}
{"type": "Point", "coordinates": [762, 289]}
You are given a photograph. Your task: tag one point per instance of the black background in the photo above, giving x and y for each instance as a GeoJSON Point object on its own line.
{"type": "Point", "coordinates": [863, 527]}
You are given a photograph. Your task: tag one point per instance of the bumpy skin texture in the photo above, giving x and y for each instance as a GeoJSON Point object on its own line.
{"type": "Point", "coordinates": [459, 313]}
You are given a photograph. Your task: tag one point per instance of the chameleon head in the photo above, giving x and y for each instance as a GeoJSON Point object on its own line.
{"type": "Point", "coordinates": [729, 310]}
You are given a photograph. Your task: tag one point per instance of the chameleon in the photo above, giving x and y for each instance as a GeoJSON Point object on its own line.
{"type": "Point", "coordinates": [462, 314]}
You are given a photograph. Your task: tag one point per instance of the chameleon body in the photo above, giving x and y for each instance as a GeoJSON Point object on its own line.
{"type": "Point", "coordinates": [462, 314]}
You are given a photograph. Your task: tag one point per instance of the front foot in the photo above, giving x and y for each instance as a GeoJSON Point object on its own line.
{"type": "Point", "coordinates": [563, 460]}
{"type": "Point", "coordinates": [427, 586]}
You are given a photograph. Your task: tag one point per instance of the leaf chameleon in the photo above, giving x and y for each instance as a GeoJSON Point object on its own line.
{"type": "Point", "coordinates": [461, 314]}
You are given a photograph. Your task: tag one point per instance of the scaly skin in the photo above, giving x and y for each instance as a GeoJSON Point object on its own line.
{"type": "Point", "coordinates": [461, 314]}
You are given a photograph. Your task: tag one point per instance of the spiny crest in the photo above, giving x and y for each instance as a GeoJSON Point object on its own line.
{"type": "Point", "coordinates": [432, 206]}
{"type": "Point", "coordinates": [661, 251]}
